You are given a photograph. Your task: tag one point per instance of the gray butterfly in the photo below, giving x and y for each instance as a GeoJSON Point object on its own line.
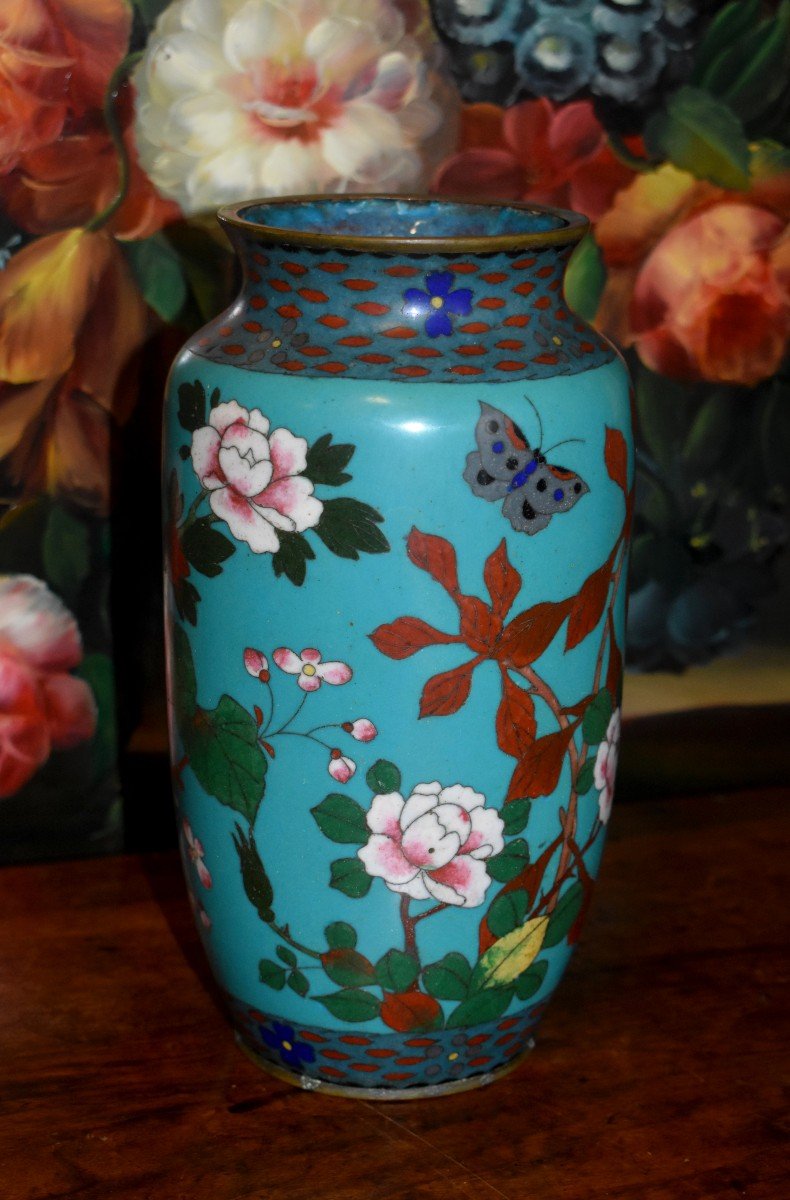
{"type": "Point", "coordinates": [505, 467]}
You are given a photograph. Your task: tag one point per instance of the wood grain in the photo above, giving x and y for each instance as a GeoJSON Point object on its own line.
{"type": "Point", "coordinates": [658, 1073]}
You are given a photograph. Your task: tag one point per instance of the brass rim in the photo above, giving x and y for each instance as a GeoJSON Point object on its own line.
{"type": "Point", "coordinates": [574, 227]}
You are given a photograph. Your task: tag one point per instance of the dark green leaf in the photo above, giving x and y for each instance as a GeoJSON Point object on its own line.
{"type": "Point", "coordinates": [712, 433]}
{"type": "Point", "coordinates": [352, 1006]}
{"type": "Point", "coordinates": [340, 934]}
{"type": "Point", "coordinates": [484, 1006]}
{"type": "Point", "coordinates": [341, 819]}
{"type": "Point", "coordinates": [184, 680]}
{"type": "Point", "coordinates": [187, 598]}
{"type": "Point", "coordinates": [348, 967]}
{"type": "Point", "coordinates": [701, 135]}
{"type": "Point", "coordinates": [223, 750]}
{"type": "Point", "coordinates": [349, 527]}
{"type": "Point", "coordinates": [566, 912]}
{"type": "Point", "coordinates": [205, 547]}
{"type": "Point", "coordinates": [22, 531]}
{"type": "Point", "coordinates": [584, 780]}
{"type": "Point", "coordinates": [292, 557]}
{"type": "Point", "coordinates": [191, 406]}
{"type": "Point", "coordinates": [448, 979]}
{"type": "Point", "coordinates": [751, 73]}
{"type": "Point", "coordinates": [383, 777]}
{"type": "Point", "coordinates": [159, 274]}
{"type": "Point", "coordinates": [67, 553]}
{"type": "Point", "coordinates": [272, 974]}
{"type": "Point", "coordinates": [531, 981]}
{"type": "Point", "coordinates": [507, 911]}
{"type": "Point", "coordinates": [509, 862]}
{"type": "Point", "coordinates": [396, 971]}
{"type": "Point", "coordinates": [585, 278]}
{"type": "Point", "coordinates": [349, 876]}
{"type": "Point", "coordinates": [149, 10]}
{"type": "Point", "coordinates": [97, 671]}
{"type": "Point", "coordinates": [287, 956]}
{"type": "Point", "coordinates": [596, 718]}
{"type": "Point", "coordinates": [298, 983]}
{"type": "Point", "coordinates": [515, 815]}
{"type": "Point", "coordinates": [727, 29]}
{"type": "Point", "coordinates": [325, 462]}
{"type": "Point", "coordinates": [253, 874]}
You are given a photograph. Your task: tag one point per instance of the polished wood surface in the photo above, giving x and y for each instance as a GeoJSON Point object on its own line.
{"type": "Point", "coordinates": [658, 1073]}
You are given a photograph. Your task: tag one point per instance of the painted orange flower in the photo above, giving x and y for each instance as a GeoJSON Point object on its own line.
{"type": "Point", "coordinates": [698, 277]}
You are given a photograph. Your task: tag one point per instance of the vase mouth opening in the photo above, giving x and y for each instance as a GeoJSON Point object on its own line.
{"type": "Point", "coordinates": [397, 224]}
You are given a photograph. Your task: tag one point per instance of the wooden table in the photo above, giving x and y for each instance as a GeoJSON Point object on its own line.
{"type": "Point", "coordinates": [657, 1075]}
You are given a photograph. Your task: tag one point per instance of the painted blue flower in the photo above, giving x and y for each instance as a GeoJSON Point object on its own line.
{"type": "Point", "coordinates": [282, 1038]}
{"type": "Point", "coordinates": [438, 303]}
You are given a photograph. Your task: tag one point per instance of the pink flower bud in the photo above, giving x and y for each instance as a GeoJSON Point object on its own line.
{"type": "Point", "coordinates": [340, 767]}
{"type": "Point", "coordinates": [256, 664]}
{"type": "Point", "coordinates": [362, 729]}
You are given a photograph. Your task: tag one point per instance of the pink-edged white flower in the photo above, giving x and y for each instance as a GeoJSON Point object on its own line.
{"type": "Point", "coordinates": [257, 664]}
{"type": "Point", "coordinates": [362, 730]}
{"type": "Point", "coordinates": [340, 767]}
{"type": "Point", "coordinates": [434, 844]}
{"type": "Point", "coordinates": [311, 670]}
{"type": "Point", "coordinates": [198, 909]}
{"type": "Point", "coordinates": [239, 98]}
{"type": "Point", "coordinates": [606, 766]}
{"type": "Point", "coordinates": [196, 853]}
{"type": "Point", "coordinates": [254, 477]}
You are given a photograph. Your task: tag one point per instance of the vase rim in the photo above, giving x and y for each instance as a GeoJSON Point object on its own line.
{"type": "Point", "coordinates": [570, 226]}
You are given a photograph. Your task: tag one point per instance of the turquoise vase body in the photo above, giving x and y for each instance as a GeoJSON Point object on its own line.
{"type": "Point", "coordinates": [397, 479]}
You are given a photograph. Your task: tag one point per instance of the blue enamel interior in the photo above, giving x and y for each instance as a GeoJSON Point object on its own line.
{"type": "Point", "coordinates": [388, 217]}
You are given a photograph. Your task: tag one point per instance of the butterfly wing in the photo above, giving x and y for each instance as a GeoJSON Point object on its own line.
{"type": "Point", "coordinates": [503, 448]}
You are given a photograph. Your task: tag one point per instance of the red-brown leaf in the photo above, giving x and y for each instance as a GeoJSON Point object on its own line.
{"type": "Point", "coordinates": [526, 637]}
{"type": "Point", "coordinates": [407, 635]}
{"type": "Point", "coordinates": [539, 769]}
{"type": "Point", "coordinates": [409, 1011]}
{"type": "Point", "coordinates": [616, 457]}
{"type": "Point", "coordinates": [479, 626]}
{"type": "Point", "coordinates": [587, 607]}
{"type": "Point", "coordinates": [578, 710]}
{"type": "Point", "coordinates": [515, 718]}
{"type": "Point", "coordinates": [444, 694]}
{"type": "Point", "coordinates": [502, 580]}
{"type": "Point", "coordinates": [436, 556]}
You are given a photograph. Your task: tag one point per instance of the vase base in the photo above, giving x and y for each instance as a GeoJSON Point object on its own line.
{"type": "Point", "coordinates": [422, 1092]}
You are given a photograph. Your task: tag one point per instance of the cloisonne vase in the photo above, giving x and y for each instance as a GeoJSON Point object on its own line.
{"type": "Point", "coordinates": [398, 475]}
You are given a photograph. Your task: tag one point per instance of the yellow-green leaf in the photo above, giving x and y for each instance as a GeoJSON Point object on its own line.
{"type": "Point", "coordinates": [510, 955]}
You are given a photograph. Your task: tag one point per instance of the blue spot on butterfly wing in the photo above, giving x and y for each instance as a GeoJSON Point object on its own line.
{"type": "Point", "coordinates": [498, 447]}
{"type": "Point", "coordinates": [523, 475]}
{"type": "Point", "coordinates": [559, 494]}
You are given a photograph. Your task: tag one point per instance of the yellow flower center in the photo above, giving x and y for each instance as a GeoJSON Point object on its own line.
{"type": "Point", "coordinates": [436, 301]}
{"type": "Point", "coordinates": [452, 1057]}
{"type": "Point", "coordinates": [308, 669]}
{"type": "Point", "coordinates": [287, 1046]}
{"type": "Point", "coordinates": [276, 343]}
{"type": "Point", "coordinates": [557, 341]}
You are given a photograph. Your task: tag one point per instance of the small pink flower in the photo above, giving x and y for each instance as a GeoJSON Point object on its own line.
{"type": "Point", "coordinates": [198, 909]}
{"type": "Point", "coordinates": [196, 853]}
{"type": "Point", "coordinates": [257, 664]}
{"type": "Point", "coordinates": [362, 729]}
{"type": "Point", "coordinates": [340, 767]}
{"type": "Point", "coordinates": [606, 766]}
{"type": "Point", "coordinates": [311, 671]}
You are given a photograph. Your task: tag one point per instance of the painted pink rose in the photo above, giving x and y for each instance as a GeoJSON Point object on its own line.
{"type": "Point", "coordinates": [195, 853]}
{"type": "Point", "coordinates": [340, 767]}
{"type": "Point", "coordinates": [254, 477]}
{"type": "Point", "coordinates": [311, 670]}
{"type": "Point", "coordinates": [433, 845]}
{"type": "Point", "coordinates": [606, 766]}
{"type": "Point", "coordinates": [42, 707]}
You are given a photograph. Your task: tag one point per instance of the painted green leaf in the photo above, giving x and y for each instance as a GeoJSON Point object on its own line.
{"type": "Point", "coordinates": [349, 876]}
{"type": "Point", "coordinates": [192, 406]}
{"type": "Point", "coordinates": [97, 671]}
{"type": "Point", "coordinates": [530, 981]}
{"type": "Point", "coordinates": [149, 10]}
{"type": "Point", "coordinates": [507, 911]}
{"type": "Point", "coordinates": [713, 432]}
{"type": "Point", "coordinates": [515, 815]}
{"type": "Point", "coordinates": [566, 912]}
{"type": "Point", "coordinates": [596, 718]}
{"type": "Point", "coordinates": [341, 819]}
{"type": "Point", "coordinates": [340, 934]}
{"type": "Point", "coordinates": [159, 274]}
{"type": "Point", "coordinates": [184, 680]}
{"type": "Point", "coordinates": [509, 862]}
{"type": "Point", "coordinates": [585, 278]}
{"type": "Point", "coordinates": [325, 461]}
{"type": "Point", "coordinates": [727, 28]}
{"type": "Point", "coordinates": [205, 547]}
{"type": "Point", "coordinates": [272, 974]}
{"type": "Point", "coordinates": [286, 955]}
{"type": "Point", "coordinates": [503, 962]}
{"type": "Point", "coordinates": [22, 531]}
{"type": "Point", "coordinates": [257, 885]}
{"type": "Point", "coordinates": [703, 136]}
{"type": "Point", "coordinates": [349, 528]}
{"type": "Point", "coordinates": [751, 72]}
{"type": "Point", "coordinates": [298, 983]}
{"type": "Point", "coordinates": [383, 777]}
{"type": "Point", "coordinates": [481, 1007]}
{"type": "Point", "coordinates": [292, 557]}
{"type": "Point", "coordinates": [396, 971]}
{"type": "Point", "coordinates": [448, 979]}
{"type": "Point", "coordinates": [67, 553]}
{"type": "Point", "coordinates": [584, 780]}
{"type": "Point", "coordinates": [228, 763]}
{"type": "Point", "coordinates": [348, 967]}
{"type": "Point", "coordinates": [352, 1005]}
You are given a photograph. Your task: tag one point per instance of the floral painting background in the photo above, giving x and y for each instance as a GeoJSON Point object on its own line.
{"type": "Point", "coordinates": [124, 125]}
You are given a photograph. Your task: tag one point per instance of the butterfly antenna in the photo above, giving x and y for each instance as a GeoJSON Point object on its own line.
{"type": "Point", "coordinates": [532, 405]}
{"type": "Point", "coordinates": [564, 442]}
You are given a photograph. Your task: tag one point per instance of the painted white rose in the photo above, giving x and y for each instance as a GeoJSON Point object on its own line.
{"type": "Point", "coordinates": [434, 844]}
{"type": "Point", "coordinates": [606, 766]}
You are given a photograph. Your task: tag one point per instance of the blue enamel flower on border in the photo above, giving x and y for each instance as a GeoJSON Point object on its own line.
{"type": "Point", "coordinates": [438, 304]}
{"type": "Point", "coordinates": [282, 1038]}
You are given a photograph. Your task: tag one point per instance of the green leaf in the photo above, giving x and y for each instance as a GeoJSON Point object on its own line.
{"type": "Point", "coordinates": [482, 1007]}
{"type": "Point", "coordinates": [509, 862]}
{"type": "Point", "coordinates": [515, 815]}
{"type": "Point", "coordinates": [159, 274]}
{"type": "Point", "coordinates": [292, 557]}
{"type": "Point", "coordinates": [448, 979]}
{"type": "Point", "coordinates": [298, 983]}
{"type": "Point", "coordinates": [596, 718]}
{"type": "Point", "coordinates": [340, 934]}
{"type": "Point", "coordinates": [566, 912]}
{"type": "Point", "coordinates": [701, 135]}
{"type": "Point", "coordinates": [751, 73]}
{"type": "Point", "coordinates": [205, 547]}
{"type": "Point", "coordinates": [397, 971]}
{"type": "Point", "coordinates": [97, 671]}
{"type": "Point", "coordinates": [713, 431]}
{"type": "Point", "coordinates": [325, 462]}
{"type": "Point", "coordinates": [507, 912]}
{"type": "Point", "coordinates": [222, 746]}
{"type": "Point", "coordinates": [348, 968]}
{"type": "Point", "coordinates": [184, 681]}
{"type": "Point", "coordinates": [272, 974]}
{"type": "Point", "coordinates": [531, 980]}
{"type": "Point", "coordinates": [584, 780]}
{"type": "Point", "coordinates": [67, 553]}
{"type": "Point", "coordinates": [341, 819]}
{"type": "Point", "coordinates": [22, 532]}
{"type": "Point", "coordinates": [352, 1006]}
{"type": "Point", "coordinates": [253, 874]}
{"type": "Point", "coordinates": [187, 598]}
{"type": "Point", "coordinates": [383, 777]}
{"type": "Point", "coordinates": [503, 962]}
{"type": "Point", "coordinates": [349, 527]}
{"type": "Point", "coordinates": [287, 956]}
{"type": "Point", "coordinates": [585, 278]}
{"type": "Point", "coordinates": [349, 876]}
{"type": "Point", "coordinates": [149, 10]}
{"type": "Point", "coordinates": [191, 406]}
{"type": "Point", "coordinates": [727, 28]}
